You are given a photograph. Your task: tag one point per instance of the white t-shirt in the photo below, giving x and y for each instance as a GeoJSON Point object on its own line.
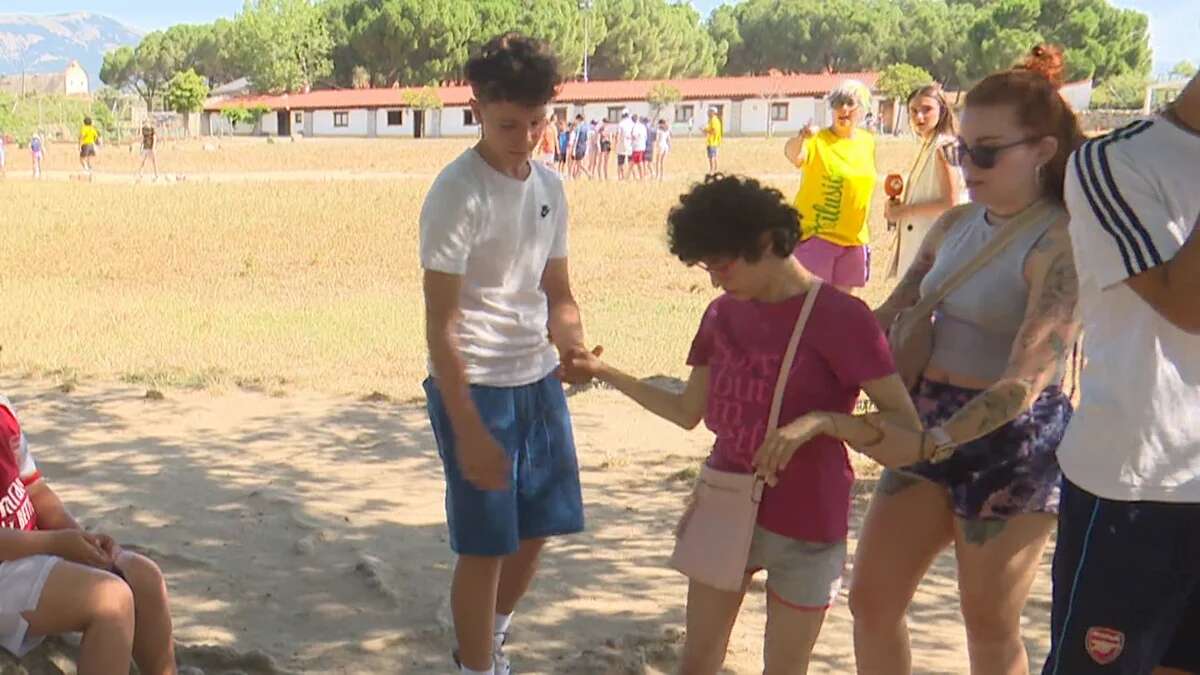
{"type": "Point", "coordinates": [625, 137]}
{"type": "Point", "coordinates": [639, 137]}
{"type": "Point", "coordinates": [1134, 202]}
{"type": "Point", "coordinates": [498, 233]}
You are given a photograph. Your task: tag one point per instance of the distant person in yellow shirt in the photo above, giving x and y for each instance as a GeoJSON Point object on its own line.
{"type": "Point", "coordinates": [714, 131]}
{"type": "Point", "coordinates": [838, 166]}
{"type": "Point", "coordinates": [88, 138]}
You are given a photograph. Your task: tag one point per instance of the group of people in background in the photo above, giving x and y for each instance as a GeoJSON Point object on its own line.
{"type": "Point", "coordinates": [89, 143]}
{"type": "Point", "coordinates": [581, 148]}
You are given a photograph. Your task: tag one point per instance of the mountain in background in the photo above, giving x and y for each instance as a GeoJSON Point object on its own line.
{"type": "Point", "coordinates": [47, 43]}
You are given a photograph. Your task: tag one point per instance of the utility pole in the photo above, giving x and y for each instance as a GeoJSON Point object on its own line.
{"type": "Point", "coordinates": [586, 6]}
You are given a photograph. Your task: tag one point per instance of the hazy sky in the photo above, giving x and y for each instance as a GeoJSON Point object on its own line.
{"type": "Point", "coordinates": [1174, 24]}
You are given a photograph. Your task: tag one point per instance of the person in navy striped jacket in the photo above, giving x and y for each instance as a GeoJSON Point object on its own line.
{"type": "Point", "coordinates": [1127, 564]}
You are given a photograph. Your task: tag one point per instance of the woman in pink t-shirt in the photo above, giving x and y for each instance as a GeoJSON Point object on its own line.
{"type": "Point", "coordinates": [743, 234]}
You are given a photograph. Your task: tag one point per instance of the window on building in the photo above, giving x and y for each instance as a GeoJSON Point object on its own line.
{"type": "Point", "coordinates": [684, 114]}
{"type": "Point", "coordinates": [561, 113]}
{"type": "Point", "coordinates": [298, 118]}
{"type": "Point", "coordinates": [719, 108]}
{"type": "Point", "coordinates": [614, 113]}
{"type": "Point", "coordinates": [341, 118]}
{"type": "Point", "coordinates": [468, 118]}
{"type": "Point", "coordinates": [395, 118]}
{"type": "Point", "coordinates": [779, 112]}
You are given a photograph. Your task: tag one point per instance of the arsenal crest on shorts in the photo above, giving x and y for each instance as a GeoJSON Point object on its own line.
{"type": "Point", "coordinates": [1104, 645]}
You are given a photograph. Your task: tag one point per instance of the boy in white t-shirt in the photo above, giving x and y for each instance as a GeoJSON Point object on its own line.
{"type": "Point", "coordinates": [624, 146]}
{"type": "Point", "coordinates": [494, 251]}
{"type": "Point", "coordinates": [1127, 561]}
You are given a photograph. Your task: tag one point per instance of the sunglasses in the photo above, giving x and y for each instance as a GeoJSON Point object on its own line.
{"type": "Point", "coordinates": [839, 101]}
{"type": "Point", "coordinates": [982, 156]}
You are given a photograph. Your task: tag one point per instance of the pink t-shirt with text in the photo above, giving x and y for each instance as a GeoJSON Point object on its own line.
{"type": "Point", "coordinates": [743, 342]}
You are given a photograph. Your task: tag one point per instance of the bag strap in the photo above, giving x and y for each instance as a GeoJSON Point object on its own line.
{"type": "Point", "coordinates": [1022, 222]}
{"type": "Point", "coordinates": [789, 356]}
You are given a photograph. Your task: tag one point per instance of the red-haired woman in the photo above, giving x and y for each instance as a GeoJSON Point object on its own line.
{"type": "Point", "coordinates": [992, 388]}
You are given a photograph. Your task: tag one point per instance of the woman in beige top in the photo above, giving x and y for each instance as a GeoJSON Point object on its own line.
{"type": "Point", "coordinates": [932, 185]}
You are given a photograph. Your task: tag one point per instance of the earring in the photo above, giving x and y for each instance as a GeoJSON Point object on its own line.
{"type": "Point", "coordinates": [1038, 173]}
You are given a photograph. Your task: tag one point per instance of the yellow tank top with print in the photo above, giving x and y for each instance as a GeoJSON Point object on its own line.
{"type": "Point", "coordinates": [836, 187]}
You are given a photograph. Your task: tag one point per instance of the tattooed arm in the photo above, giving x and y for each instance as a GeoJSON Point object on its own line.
{"type": "Point", "coordinates": [908, 291]}
{"type": "Point", "coordinates": [1042, 345]}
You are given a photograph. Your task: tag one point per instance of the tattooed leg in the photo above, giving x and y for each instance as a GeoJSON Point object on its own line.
{"type": "Point", "coordinates": [979, 532]}
{"type": "Point", "coordinates": [894, 482]}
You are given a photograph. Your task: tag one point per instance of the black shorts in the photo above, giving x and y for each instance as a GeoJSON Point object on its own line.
{"type": "Point", "coordinates": [87, 150]}
{"type": "Point", "coordinates": [605, 146]}
{"type": "Point", "coordinates": [1126, 586]}
{"type": "Point", "coordinates": [621, 159]}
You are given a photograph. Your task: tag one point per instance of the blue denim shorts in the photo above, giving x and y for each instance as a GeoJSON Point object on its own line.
{"type": "Point", "coordinates": [543, 499]}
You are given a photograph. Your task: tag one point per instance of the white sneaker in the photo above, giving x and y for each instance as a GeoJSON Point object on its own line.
{"type": "Point", "coordinates": [499, 661]}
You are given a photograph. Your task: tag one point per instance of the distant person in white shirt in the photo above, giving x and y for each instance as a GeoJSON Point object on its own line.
{"type": "Point", "coordinates": [494, 252]}
{"type": "Point", "coordinates": [624, 145]}
{"type": "Point", "coordinates": [1127, 562]}
{"type": "Point", "coordinates": [638, 158]}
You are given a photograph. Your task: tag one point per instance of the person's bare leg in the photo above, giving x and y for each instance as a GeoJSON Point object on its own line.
{"type": "Point", "coordinates": [711, 614]}
{"type": "Point", "coordinates": [790, 638]}
{"type": "Point", "coordinates": [153, 646]}
{"type": "Point", "coordinates": [516, 574]}
{"type": "Point", "coordinates": [473, 604]}
{"type": "Point", "coordinates": [98, 604]}
{"type": "Point", "coordinates": [907, 524]}
{"type": "Point", "coordinates": [997, 563]}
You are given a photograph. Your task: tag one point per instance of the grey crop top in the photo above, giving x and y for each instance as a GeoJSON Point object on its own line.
{"type": "Point", "coordinates": [976, 325]}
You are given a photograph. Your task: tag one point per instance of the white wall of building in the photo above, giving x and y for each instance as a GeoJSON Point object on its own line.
{"type": "Point", "coordinates": [452, 123]}
{"type": "Point", "coordinates": [756, 115]}
{"type": "Point", "coordinates": [270, 123]}
{"type": "Point", "coordinates": [356, 126]}
{"type": "Point", "coordinates": [405, 128]}
{"type": "Point", "coordinates": [76, 80]}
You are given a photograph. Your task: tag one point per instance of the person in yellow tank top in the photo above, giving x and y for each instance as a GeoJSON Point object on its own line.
{"type": "Point", "coordinates": [714, 133]}
{"type": "Point", "coordinates": [88, 138]}
{"type": "Point", "coordinates": [834, 199]}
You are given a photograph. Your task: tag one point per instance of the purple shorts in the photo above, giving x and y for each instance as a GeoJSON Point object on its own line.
{"type": "Point", "coordinates": [848, 266]}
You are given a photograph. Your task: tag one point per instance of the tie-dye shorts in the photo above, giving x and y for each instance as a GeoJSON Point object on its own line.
{"type": "Point", "coordinates": [1011, 471]}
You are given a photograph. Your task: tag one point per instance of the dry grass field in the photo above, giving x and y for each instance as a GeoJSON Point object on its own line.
{"type": "Point", "coordinates": [315, 284]}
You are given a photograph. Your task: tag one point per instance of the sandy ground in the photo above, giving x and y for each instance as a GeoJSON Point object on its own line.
{"type": "Point", "coordinates": [305, 533]}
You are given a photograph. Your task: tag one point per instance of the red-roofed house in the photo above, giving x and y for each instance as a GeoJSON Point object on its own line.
{"type": "Point", "coordinates": [749, 105]}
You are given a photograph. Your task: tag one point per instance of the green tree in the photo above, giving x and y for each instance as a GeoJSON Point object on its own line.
{"type": "Point", "coordinates": [899, 80]}
{"type": "Point", "coordinates": [1122, 92]}
{"type": "Point", "coordinates": [144, 69]}
{"type": "Point", "coordinates": [185, 94]}
{"type": "Point", "coordinates": [283, 45]}
{"type": "Point", "coordinates": [812, 35]}
{"type": "Point", "coordinates": [236, 115]}
{"type": "Point", "coordinates": [662, 95]}
{"type": "Point", "coordinates": [414, 41]}
{"type": "Point", "coordinates": [424, 98]}
{"type": "Point", "coordinates": [650, 39]}
{"type": "Point", "coordinates": [1184, 70]}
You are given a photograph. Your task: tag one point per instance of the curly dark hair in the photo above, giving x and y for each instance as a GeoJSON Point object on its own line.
{"type": "Point", "coordinates": [731, 216]}
{"type": "Point", "coordinates": [516, 69]}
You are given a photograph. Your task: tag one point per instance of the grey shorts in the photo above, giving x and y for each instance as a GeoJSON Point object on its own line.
{"type": "Point", "coordinates": [801, 574]}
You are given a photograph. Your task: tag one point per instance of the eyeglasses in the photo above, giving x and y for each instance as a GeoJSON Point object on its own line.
{"type": "Point", "coordinates": [716, 268]}
{"type": "Point", "coordinates": [982, 156]}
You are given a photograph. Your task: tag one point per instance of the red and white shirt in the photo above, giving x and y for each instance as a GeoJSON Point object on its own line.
{"type": "Point", "coordinates": [17, 472]}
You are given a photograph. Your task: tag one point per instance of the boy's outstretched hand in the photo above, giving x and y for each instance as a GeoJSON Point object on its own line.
{"type": "Point", "coordinates": [580, 366]}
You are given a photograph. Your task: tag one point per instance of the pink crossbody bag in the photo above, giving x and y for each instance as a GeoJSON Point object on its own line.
{"type": "Point", "coordinates": [712, 541]}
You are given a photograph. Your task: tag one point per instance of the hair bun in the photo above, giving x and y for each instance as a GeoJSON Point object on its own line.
{"type": "Point", "coordinates": [1046, 60]}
